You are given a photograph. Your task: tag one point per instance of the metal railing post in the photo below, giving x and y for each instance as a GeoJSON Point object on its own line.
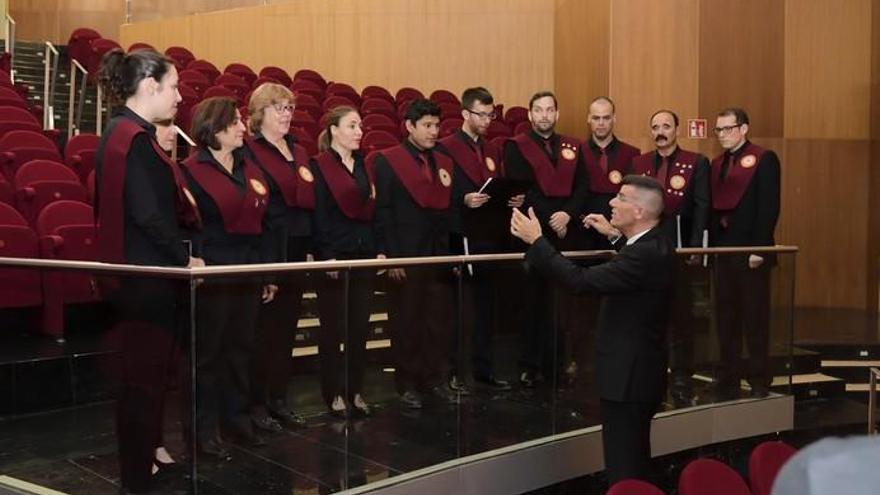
{"type": "Point", "coordinates": [10, 44]}
{"type": "Point", "coordinates": [874, 373]}
{"type": "Point", "coordinates": [74, 67]}
{"type": "Point", "coordinates": [99, 110]}
{"type": "Point", "coordinates": [50, 71]}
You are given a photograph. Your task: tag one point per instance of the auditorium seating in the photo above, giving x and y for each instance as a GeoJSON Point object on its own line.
{"type": "Point", "coordinates": [764, 464]}
{"type": "Point", "coordinates": [79, 44]}
{"type": "Point", "coordinates": [18, 147]}
{"type": "Point", "coordinates": [376, 92]}
{"type": "Point", "coordinates": [66, 231]}
{"type": "Point", "coordinates": [516, 114]}
{"type": "Point", "coordinates": [310, 75]}
{"type": "Point", "coordinates": [207, 68]}
{"type": "Point", "coordinates": [332, 102]}
{"type": "Point", "coordinates": [305, 140]}
{"type": "Point", "coordinates": [309, 87]}
{"type": "Point", "coordinates": [6, 194]}
{"type": "Point", "coordinates": [378, 140]}
{"type": "Point", "coordinates": [97, 48]}
{"type": "Point", "coordinates": [238, 85]}
{"type": "Point", "coordinates": [11, 98]}
{"type": "Point", "coordinates": [379, 122]}
{"type": "Point", "coordinates": [498, 129]}
{"type": "Point", "coordinates": [444, 96]}
{"type": "Point", "coordinates": [380, 106]}
{"type": "Point", "coordinates": [79, 154]}
{"type": "Point", "coordinates": [276, 73]}
{"type": "Point", "coordinates": [449, 126]}
{"type": "Point", "coordinates": [344, 90]}
{"type": "Point", "coordinates": [242, 71]}
{"type": "Point", "coordinates": [222, 91]}
{"type": "Point", "coordinates": [634, 487]}
{"type": "Point", "coordinates": [407, 94]}
{"type": "Point", "coordinates": [140, 46]}
{"type": "Point", "coordinates": [180, 55]}
{"type": "Point", "coordinates": [306, 122]}
{"type": "Point", "coordinates": [522, 127]}
{"type": "Point", "coordinates": [449, 111]}
{"type": "Point", "coordinates": [40, 182]}
{"type": "Point", "coordinates": [14, 118]}
{"type": "Point", "coordinates": [20, 287]}
{"type": "Point", "coordinates": [6, 82]}
{"type": "Point", "coordinates": [263, 80]}
{"type": "Point", "coordinates": [90, 187]}
{"type": "Point", "coordinates": [708, 476]}
{"type": "Point", "coordinates": [196, 80]}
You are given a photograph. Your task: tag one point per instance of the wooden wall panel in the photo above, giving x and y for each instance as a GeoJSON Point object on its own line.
{"type": "Point", "coordinates": [582, 50]}
{"type": "Point", "coordinates": [422, 43]}
{"type": "Point", "coordinates": [873, 260]}
{"type": "Point", "coordinates": [654, 62]}
{"type": "Point", "coordinates": [741, 61]}
{"type": "Point", "coordinates": [54, 20]}
{"type": "Point", "coordinates": [827, 69]}
{"type": "Point", "coordinates": [824, 206]}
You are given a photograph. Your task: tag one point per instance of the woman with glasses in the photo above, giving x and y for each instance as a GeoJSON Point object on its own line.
{"type": "Point", "coordinates": [344, 208]}
{"type": "Point", "coordinates": [291, 201]}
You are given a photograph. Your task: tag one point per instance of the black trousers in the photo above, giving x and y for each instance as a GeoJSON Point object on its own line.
{"type": "Point", "coordinates": [226, 315]}
{"type": "Point", "coordinates": [541, 331]}
{"type": "Point", "coordinates": [743, 308]}
{"type": "Point", "coordinates": [151, 315]}
{"type": "Point", "coordinates": [681, 322]}
{"type": "Point", "coordinates": [276, 331]}
{"type": "Point", "coordinates": [626, 438]}
{"type": "Point", "coordinates": [421, 321]}
{"type": "Point", "coordinates": [344, 305]}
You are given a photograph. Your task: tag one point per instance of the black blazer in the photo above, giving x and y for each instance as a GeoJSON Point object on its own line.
{"type": "Point", "coordinates": [635, 285]}
{"type": "Point", "coordinates": [402, 226]}
{"type": "Point", "coordinates": [753, 221]}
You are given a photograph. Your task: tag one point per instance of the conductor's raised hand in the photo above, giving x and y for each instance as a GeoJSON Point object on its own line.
{"type": "Point", "coordinates": [527, 228]}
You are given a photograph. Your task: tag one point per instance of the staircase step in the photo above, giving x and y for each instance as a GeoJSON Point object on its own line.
{"type": "Point", "coordinates": [810, 386]}
{"type": "Point", "coordinates": [841, 350]}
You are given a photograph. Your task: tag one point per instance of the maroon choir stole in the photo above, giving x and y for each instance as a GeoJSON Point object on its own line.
{"type": "Point", "coordinates": [344, 189]}
{"type": "Point", "coordinates": [675, 177]}
{"type": "Point", "coordinates": [295, 181]}
{"type": "Point", "coordinates": [111, 211]}
{"type": "Point", "coordinates": [727, 193]}
{"type": "Point", "coordinates": [242, 211]}
{"type": "Point", "coordinates": [432, 194]}
{"type": "Point", "coordinates": [478, 167]}
{"type": "Point", "coordinates": [555, 182]}
{"type": "Point", "coordinates": [605, 178]}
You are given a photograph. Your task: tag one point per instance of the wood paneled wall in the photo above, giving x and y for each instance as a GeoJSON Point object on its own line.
{"type": "Point", "coordinates": [54, 20]}
{"type": "Point", "coordinates": [427, 44]}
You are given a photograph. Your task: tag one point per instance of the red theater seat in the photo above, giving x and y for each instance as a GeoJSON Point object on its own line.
{"type": "Point", "coordinates": [21, 287]}
{"type": "Point", "coordinates": [305, 140]}
{"type": "Point", "coordinates": [140, 46]}
{"type": "Point", "coordinates": [66, 230]}
{"type": "Point", "coordinates": [79, 44]}
{"type": "Point", "coordinates": [306, 122]}
{"type": "Point", "coordinates": [634, 487]}
{"type": "Point", "coordinates": [521, 128]}
{"type": "Point", "coordinates": [97, 48]}
{"type": "Point", "coordinates": [207, 68]}
{"type": "Point", "coordinates": [222, 91]}
{"type": "Point", "coordinates": [276, 73]}
{"type": "Point", "coordinates": [378, 140]}
{"type": "Point", "coordinates": [497, 129]}
{"type": "Point", "coordinates": [6, 194]}
{"type": "Point", "coordinates": [444, 96]}
{"type": "Point", "coordinates": [710, 477]}
{"type": "Point", "coordinates": [242, 71]}
{"type": "Point", "coordinates": [310, 75]}
{"type": "Point", "coordinates": [449, 126]}
{"type": "Point", "coordinates": [235, 83]}
{"type": "Point", "coordinates": [764, 464]}
{"type": "Point", "coordinates": [344, 90]}
{"type": "Point", "coordinates": [450, 111]}
{"type": "Point", "coordinates": [180, 55]}
{"type": "Point", "coordinates": [379, 122]}
{"type": "Point", "coordinates": [407, 94]}
{"type": "Point", "coordinates": [376, 92]}
{"type": "Point", "coordinates": [337, 101]}
{"type": "Point", "coordinates": [379, 106]}
{"type": "Point", "coordinates": [79, 154]}
{"type": "Point", "coordinates": [515, 115]}
{"type": "Point", "coordinates": [41, 182]}
{"type": "Point", "coordinates": [196, 80]}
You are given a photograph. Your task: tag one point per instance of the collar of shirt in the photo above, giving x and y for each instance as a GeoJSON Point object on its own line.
{"type": "Point", "coordinates": [478, 143]}
{"type": "Point", "coordinates": [129, 113]}
{"type": "Point", "coordinates": [288, 138]}
{"type": "Point", "coordinates": [633, 239]}
{"type": "Point", "coordinates": [415, 152]}
{"type": "Point", "coordinates": [553, 139]}
{"type": "Point", "coordinates": [658, 158]}
{"type": "Point", "coordinates": [595, 147]}
{"type": "Point", "coordinates": [737, 151]}
{"type": "Point", "coordinates": [205, 155]}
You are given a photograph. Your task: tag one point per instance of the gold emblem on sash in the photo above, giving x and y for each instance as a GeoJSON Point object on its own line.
{"type": "Point", "coordinates": [748, 161]}
{"type": "Point", "coordinates": [615, 177]}
{"type": "Point", "coordinates": [306, 174]}
{"type": "Point", "coordinates": [490, 164]}
{"type": "Point", "coordinates": [677, 182]}
{"type": "Point", "coordinates": [189, 196]}
{"type": "Point", "coordinates": [445, 178]}
{"type": "Point", "coordinates": [258, 187]}
{"type": "Point", "coordinates": [568, 153]}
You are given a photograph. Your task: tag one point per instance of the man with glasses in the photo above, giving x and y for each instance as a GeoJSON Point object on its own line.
{"type": "Point", "coordinates": [479, 224]}
{"type": "Point", "coordinates": [551, 163]}
{"type": "Point", "coordinates": [745, 205]}
{"type": "Point", "coordinates": [684, 176]}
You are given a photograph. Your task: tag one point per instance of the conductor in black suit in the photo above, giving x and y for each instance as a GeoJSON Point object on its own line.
{"type": "Point", "coordinates": [636, 285]}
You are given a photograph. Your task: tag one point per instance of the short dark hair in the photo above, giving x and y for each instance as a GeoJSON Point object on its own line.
{"type": "Point", "coordinates": [643, 182]}
{"type": "Point", "coordinates": [606, 99]}
{"type": "Point", "coordinates": [120, 72]}
{"type": "Point", "coordinates": [478, 94]}
{"type": "Point", "coordinates": [543, 94]}
{"type": "Point", "coordinates": [738, 113]}
{"type": "Point", "coordinates": [419, 108]}
{"type": "Point", "coordinates": [211, 116]}
{"type": "Point", "coordinates": [670, 112]}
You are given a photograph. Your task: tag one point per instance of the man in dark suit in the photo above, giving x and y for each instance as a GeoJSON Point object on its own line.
{"type": "Point", "coordinates": [413, 194]}
{"type": "Point", "coordinates": [745, 207]}
{"type": "Point", "coordinates": [636, 285]}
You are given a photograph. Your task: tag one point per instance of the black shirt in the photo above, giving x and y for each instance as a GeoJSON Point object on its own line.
{"type": "Point", "coordinates": [153, 235]}
{"type": "Point", "coordinates": [336, 235]}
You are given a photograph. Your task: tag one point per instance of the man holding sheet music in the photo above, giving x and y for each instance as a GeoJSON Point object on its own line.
{"type": "Point", "coordinates": [684, 176]}
{"type": "Point", "coordinates": [481, 202]}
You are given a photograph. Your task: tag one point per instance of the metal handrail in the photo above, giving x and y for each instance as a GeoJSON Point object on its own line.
{"type": "Point", "coordinates": [74, 67]}
{"type": "Point", "coordinates": [873, 375]}
{"type": "Point", "coordinates": [9, 44]}
{"type": "Point", "coordinates": [274, 268]}
{"type": "Point", "coordinates": [50, 74]}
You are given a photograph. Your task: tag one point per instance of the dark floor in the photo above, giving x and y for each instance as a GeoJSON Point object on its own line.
{"type": "Point", "coordinates": [60, 437]}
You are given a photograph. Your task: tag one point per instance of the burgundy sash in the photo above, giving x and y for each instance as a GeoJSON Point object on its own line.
{"type": "Point", "coordinates": [468, 161]}
{"type": "Point", "coordinates": [111, 211]}
{"type": "Point", "coordinates": [677, 178]}
{"type": "Point", "coordinates": [434, 194]}
{"type": "Point", "coordinates": [555, 182]}
{"type": "Point", "coordinates": [242, 212]}
{"type": "Point", "coordinates": [618, 166]}
{"type": "Point", "coordinates": [344, 188]}
{"type": "Point", "coordinates": [726, 195]}
{"type": "Point", "coordinates": [296, 182]}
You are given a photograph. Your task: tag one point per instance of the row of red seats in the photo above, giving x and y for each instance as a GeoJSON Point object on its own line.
{"type": "Point", "coordinates": [711, 477]}
{"type": "Point", "coordinates": [63, 230]}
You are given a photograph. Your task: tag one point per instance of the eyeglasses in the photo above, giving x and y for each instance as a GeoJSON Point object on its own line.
{"type": "Point", "coordinates": [282, 108]}
{"type": "Point", "coordinates": [482, 115]}
{"type": "Point", "coordinates": [726, 129]}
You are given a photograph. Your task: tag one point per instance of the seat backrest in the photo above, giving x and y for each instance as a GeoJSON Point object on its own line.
{"type": "Point", "coordinates": [449, 110]}
{"type": "Point", "coordinates": [376, 92]}
{"type": "Point", "coordinates": [97, 48]}
{"type": "Point", "coordinates": [220, 91]}
{"type": "Point", "coordinates": [515, 115]}
{"type": "Point", "coordinates": [180, 54]}
{"type": "Point", "coordinates": [703, 476]}
{"type": "Point", "coordinates": [139, 45]}
{"type": "Point", "coordinates": [634, 487]}
{"type": "Point", "coordinates": [20, 156]}
{"type": "Point", "coordinates": [378, 140]}
{"type": "Point", "coordinates": [407, 94]}
{"type": "Point", "coordinates": [276, 73]}
{"type": "Point", "coordinates": [11, 216]}
{"type": "Point", "coordinates": [378, 103]}
{"type": "Point", "coordinates": [765, 461]}
{"type": "Point", "coordinates": [496, 129]}
{"type": "Point", "coordinates": [378, 119]}
{"type": "Point", "coordinates": [522, 127]}
{"type": "Point", "coordinates": [242, 71]}
{"type": "Point", "coordinates": [205, 67]}
{"type": "Point", "coordinates": [61, 213]}
{"type": "Point", "coordinates": [25, 139]}
{"type": "Point", "coordinates": [16, 114]}
{"type": "Point", "coordinates": [337, 101]}
{"type": "Point", "coordinates": [43, 170]}
{"type": "Point", "coordinates": [449, 126]}
{"type": "Point", "coordinates": [231, 79]}
{"type": "Point", "coordinates": [78, 143]}
{"type": "Point", "coordinates": [9, 94]}
{"type": "Point", "coordinates": [79, 44]}
{"type": "Point", "coordinates": [444, 96]}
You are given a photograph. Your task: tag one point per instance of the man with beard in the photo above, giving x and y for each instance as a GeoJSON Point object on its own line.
{"type": "Point", "coordinates": [479, 224]}
{"type": "Point", "coordinates": [745, 204]}
{"type": "Point", "coordinates": [684, 176]}
{"type": "Point", "coordinates": [550, 162]}
{"type": "Point", "coordinates": [608, 160]}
